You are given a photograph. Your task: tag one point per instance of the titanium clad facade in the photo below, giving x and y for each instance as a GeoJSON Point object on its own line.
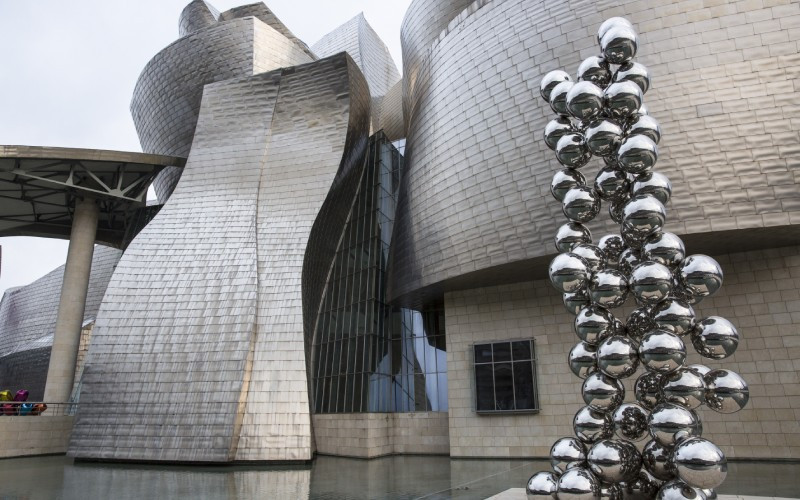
{"type": "Point", "coordinates": [198, 350]}
{"type": "Point", "coordinates": [474, 208]}
{"type": "Point", "coordinates": [166, 99]}
{"type": "Point", "coordinates": [28, 317]}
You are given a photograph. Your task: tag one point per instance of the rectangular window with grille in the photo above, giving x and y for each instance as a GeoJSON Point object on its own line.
{"type": "Point", "coordinates": [505, 377]}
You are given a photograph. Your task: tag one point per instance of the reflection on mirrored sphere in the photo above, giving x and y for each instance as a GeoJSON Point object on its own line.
{"type": "Point", "coordinates": [619, 44]}
{"type": "Point", "coordinates": [633, 72]}
{"type": "Point", "coordinates": [655, 458]}
{"type": "Point", "coordinates": [608, 288]}
{"type": "Point", "coordinates": [564, 180]}
{"type": "Point", "coordinates": [651, 283]}
{"type": "Point", "coordinates": [699, 463]}
{"type": "Point", "coordinates": [664, 248]}
{"type": "Point", "coordinates": [637, 154]}
{"type": "Point", "coordinates": [669, 424]}
{"type": "Point", "coordinates": [571, 234]}
{"type": "Point", "coordinates": [630, 421]}
{"type": "Point", "coordinates": [602, 393]}
{"type": "Point", "coordinates": [655, 184]}
{"type": "Point", "coordinates": [572, 151]}
{"type": "Point", "coordinates": [595, 69]}
{"type": "Point", "coordinates": [591, 425]}
{"type": "Point", "coordinates": [592, 255]}
{"type": "Point", "coordinates": [603, 137]}
{"type": "Point", "coordinates": [622, 100]}
{"type": "Point", "coordinates": [550, 81]}
{"type": "Point", "coordinates": [542, 486]}
{"type": "Point", "coordinates": [684, 387]}
{"type": "Point", "coordinates": [715, 338]}
{"type": "Point", "coordinates": [612, 245]}
{"type": "Point", "coordinates": [610, 23]}
{"type": "Point", "coordinates": [558, 97]}
{"type": "Point", "coordinates": [611, 184]}
{"type": "Point", "coordinates": [645, 125]}
{"type": "Point", "coordinates": [582, 359]}
{"type": "Point", "coordinates": [639, 323]}
{"type": "Point", "coordinates": [726, 391]}
{"type": "Point", "coordinates": [567, 453]}
{"type": "Point", "coordinates": [617, 357]}
{"type": "Point", "coordinates": [556, 129]}
{"type": "Point", "coordinates": [568, 272]}
{"type": "Point", "coordinates": [674, 315]}
{"type": "Point", "coordinates": [678, 490]}
{"type": "Point", "coordinates": [643, 215]}
{"type": "Point", "coordinates": [578, 484]}
{"type": "Point", "coordinates": [662, 352]}
{"type": "Point", "coordinates": [593, 324]}
{"type": "Point", "coordinates": [613, 460]}
{"type": "Point", "coordinates": [647, 389]}
{"type": "Point", "coordinates": [585, 100]}
{"type": "Point", "coordinates": [628, 259]}
{"type": "Point", "coordinates": [700, 275]}
{"type": "Point", "coordinates": [581, 204]}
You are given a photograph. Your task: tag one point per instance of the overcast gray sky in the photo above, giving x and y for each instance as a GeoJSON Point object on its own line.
{"type": "Point", "coordinates": [69, 68]}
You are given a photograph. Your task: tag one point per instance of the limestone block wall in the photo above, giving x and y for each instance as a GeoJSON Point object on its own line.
{"type": "Point", "coordinates": [370, 435]}
{"type": "Point", "coordinates": [29, 436]}
{"type": "Point", "coordinates": [760, 295]}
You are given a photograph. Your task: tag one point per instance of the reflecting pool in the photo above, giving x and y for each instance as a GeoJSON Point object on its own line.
{"type": "Point", "coordinates": [398, 477]}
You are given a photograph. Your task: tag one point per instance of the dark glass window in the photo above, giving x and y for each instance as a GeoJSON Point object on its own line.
{"type": "Point", "coordinates": [505, 377]}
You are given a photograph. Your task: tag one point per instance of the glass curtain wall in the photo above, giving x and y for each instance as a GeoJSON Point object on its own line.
{"type": "Point", "coordinates": [368, 356]}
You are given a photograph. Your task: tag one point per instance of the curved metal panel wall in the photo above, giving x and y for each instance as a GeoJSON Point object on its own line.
{"type": "Point", "coordinates": [261, 11]}
{"type": "Point", "coordinates": [166, 99]}
{"type": "Point", "coordinates": [475, 208]}
{"type": "Point", "coordinates": [197, 353]}
{"type": "Point", "coordinates": [28, 317]}
{"type": "Point", "coordinates": [197, 15]}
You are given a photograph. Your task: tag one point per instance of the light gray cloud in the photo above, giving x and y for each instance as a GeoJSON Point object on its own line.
{"type": "Point", "coordinates": [69, 69]}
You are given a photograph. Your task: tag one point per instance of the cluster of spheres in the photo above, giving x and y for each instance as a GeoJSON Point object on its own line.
{"type": "Point", "coordinates": [602, 114]}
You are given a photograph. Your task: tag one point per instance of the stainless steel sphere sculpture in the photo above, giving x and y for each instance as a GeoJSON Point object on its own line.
{"type": "Point", "coordinates": [602, 114]}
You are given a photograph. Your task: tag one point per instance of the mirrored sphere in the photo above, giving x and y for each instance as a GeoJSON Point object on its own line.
{"type": "Point", "coordinates": [619, 44]}
{"type": "Point", "coordinates": [592, 255]}
{"type": "Point", "coordinates": [665, 248]}
{"type": "Point", "coordinates": [564, 180]}
{"type": "Point", "coordinates": [582, 359]}
{"type": "Point", "coordinates": [613, 460]}
{"type": "Point", "coordinates": [610, 23]}
{"type": "Point", "coordinates": [602, 393]}
{"type": "Point", "coordinates": [575, 301]}
{"type": "Point", "coordinates": [610, 492]}
{"type": "Point", "coordinates": [654, 184]}
{"type": "Point", "coordinates": [684, 387]}
{"type": "Point", "coordinates": [616, 208]}
{"type": "Point", "coordinates": [710, 493]}
{"type": "Point", "coordinates": [611, 184]}
{"type": "Point", "coordinates": [603, 137]}
{"type": "Point", "coordinates": [699, 463]}
{"type": "Point", "coordinates": [662, 352]}
{"type": "Point", "coordinates": [701, 370]}
{"type": "Point", "coordinates": [566, 453]}
{"type": "Point", "coordinates": [674, 315]}
{"type": "Point", "coordinates": [571, 234]}
{"type": "Point", "coordinates": [558, 97]}
{"type": "Point", "coordinates": [655, 458]}
{"type": "Point", "coordinates": [651, 283]}
{"type": "Point", "coordinates": [645, 125]}
{"type": "Point", "coordinates": [608, 288]}
{"type": "Point", "coordinates": [642, 216]}
{"type": "Point", "coordinates": [630, 421]}
{"type": "Point", "coordinates": [628, 259]}
{"type": "Point", "coordinates": [542, 486]}
{"type": "Point", "coordinates": [611, 245]}
{"type": "Point", "coordinates": [595, 69]}
{"type": "Point", "coordinates": [550, 80]}
{"type": "Point", "coordinates": [556, 129]}
{"type": "Point", "coordinates": [578, 484]}
{"type": "Point", "coordinates": [647, 389]}
{"type": "Point", "coordinates": [568, 272]}
{"type": "Point", "coordinates": [639, 323]}
{"type": "Point", "coordinates": [715, 338]}
{"type": "Point", "coordinates": [591, 425]}
{"type": "Point", "coordinates": [622, 100]}
{"type": "Point", "coordinates": [643, 487]}
{"type": "Point", "coordinates": [617, 357]}
{"type": "Point", "coordinates": [637, 154]}
{"type": "Point", "coordinates": [633, 72]}
{"type": "Point", "coordinates": [726, 391]}
{"type": "Point", "coordinates": [700, 275]}
{"type": "Point", "coordinates": [585, 100]}
{"type": "Point", "coordinates": [593, 324]}
{"type": "Point", "coordinates": [581, 204]}
{"type": "Point", "coordinates": [572, 151]}
{"type": "Point", "coordinates": [669, 424]}
{"type": "Point", "coordinates": [678, 490]}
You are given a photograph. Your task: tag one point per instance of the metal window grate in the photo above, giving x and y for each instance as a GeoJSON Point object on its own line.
{"type": "Point", "coordinates": [505, 377]}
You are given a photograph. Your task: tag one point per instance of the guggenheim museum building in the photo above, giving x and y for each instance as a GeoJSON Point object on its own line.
{"type": "Point", "coordinates": [343, 260]}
